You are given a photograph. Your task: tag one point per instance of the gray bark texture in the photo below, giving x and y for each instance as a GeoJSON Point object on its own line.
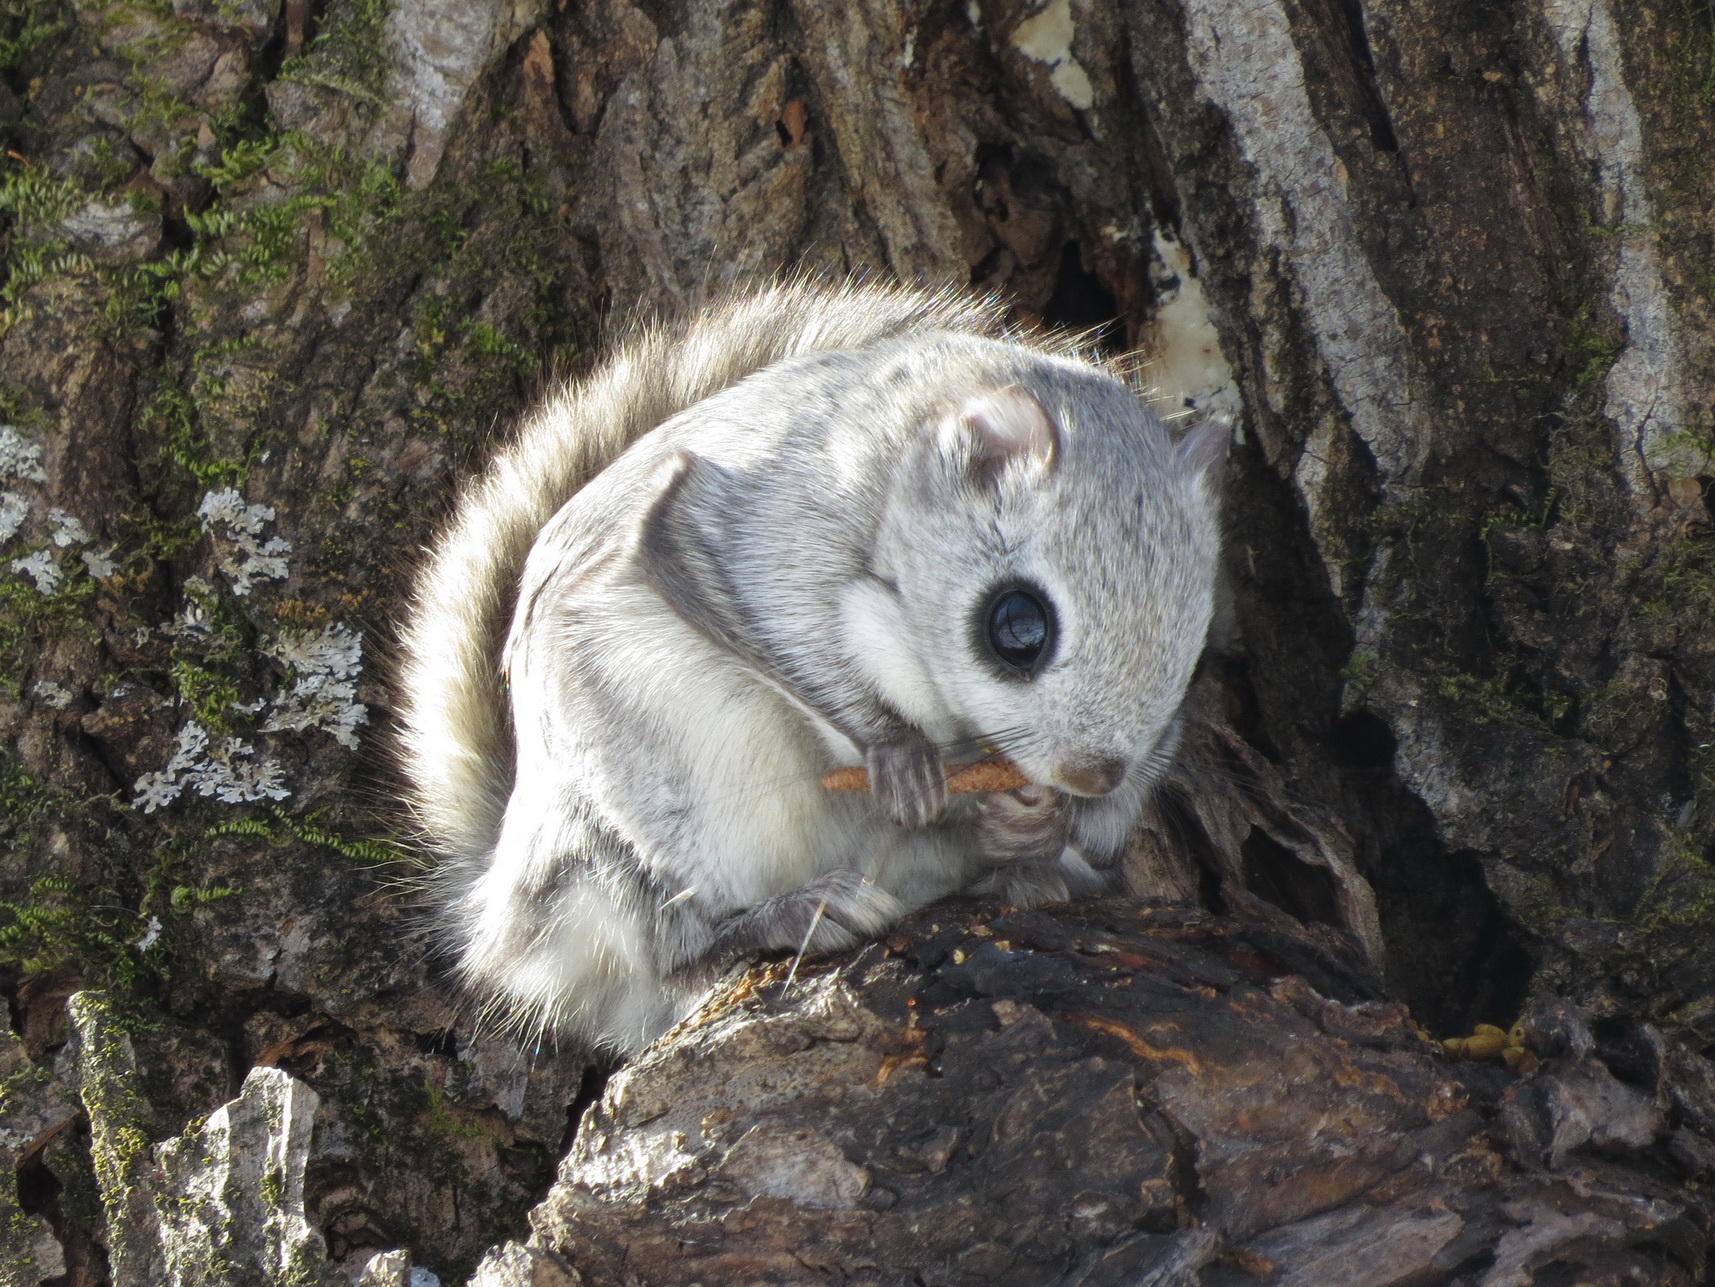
{"type": "Point", "coordinates": [278, 273]}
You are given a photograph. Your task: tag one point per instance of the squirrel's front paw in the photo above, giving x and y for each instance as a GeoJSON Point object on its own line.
{"type": "Point", "coordinates": [908, 781]}
{"type": "Point", "coordinates": [1023, 826]}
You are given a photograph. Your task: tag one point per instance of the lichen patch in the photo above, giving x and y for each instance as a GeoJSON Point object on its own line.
{"type": "Point", "coordinates": [19, 457]}
{"type": "Point", "coordinates": [14, 509]}
{"type": "Point", "coordinates": [225, 768]}
{"type": "Point", "coordinates": [1188, 368]}
{"type": "Point", "coordinates": [1247, 65]}
{"type": "Point", "coordinates": [66, 529]}
{"type": "Point", "coordinates": [41, 568]}
{"type": "Point", "coordinates": [225, 516]}
{"type": "Point", "coordinates": [324, 666]}
{"type": "Point", "coordinates": [1046, 37]}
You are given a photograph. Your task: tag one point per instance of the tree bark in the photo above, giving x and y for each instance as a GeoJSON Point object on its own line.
{"type": "Point", "coordinates": [1105, 1095]}
{"type": "Point", "coordinates": [277, 272]}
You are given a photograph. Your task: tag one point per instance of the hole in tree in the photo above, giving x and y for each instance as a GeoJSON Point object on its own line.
{"type": "Point", "coordinates": [1454, 956]}
{"type": "Point", "coordinates": [38, 1188]}
{"type": "Point", "coordinates": [1080, 302]}
{"type": "Point", "coordinates": [1274, 873]}
{"type": "Point", "coordinates": [1361, 740]}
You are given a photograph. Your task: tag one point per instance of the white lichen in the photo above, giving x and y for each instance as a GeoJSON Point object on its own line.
{"type": "Point", "coordinates": [224, 768]}
{"type": "Point", "coordinates": [100, 563]}
{"type": "Point", "coordinates": [1047, 38]}
{"type": "Point", "coordinates": [323, 667]}
{"type": "Point", "coordinates": [14, 509]}
{"type": "Point", "coordinates": [55, 695]}
{"type": "Point", "coordinates": [151, 934]}
{"type": "Point", "coordinates": [41, 568]}
{"type": "Point", "coordinates": [66, 529]}
{"type": "Point", "coordinates": [225, 516]}
{"type": "Point", "coordinates": [109, 225]}
{"type": "Point", "coordinates": [156, 791]}
{"type": "Point", "coordinates": [19, 457]}
{"type": "Point", "coordinates": [192, 623]}
{"type": "Point", "coordinates": [1187, 367]}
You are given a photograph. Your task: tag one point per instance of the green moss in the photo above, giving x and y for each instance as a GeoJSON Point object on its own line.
{"type": "Point", "coordinates": [281, 828]}
{"type": "Point", "coordinates": [489, 342]}
{"type": "Point", "coordinates": [1360, 673]}
{"type": "Point", "coordinates": [273, 1187]}
{"type": "Point", "coordinates": [99, 927]}
{"type": "Point", "coordinates": [1590, 352]}
{"type": "Point", "coordinates": [441, 1117]}
{"type": "Point", "coordinates": [1683, 589]}
{"type": "Point", "coordinates": [107, 1083]}
{"type": "Point", "coordinates": [1503, 699]}
{"type": "Point", "coordinates": [35, 200]}
{"type": "Point", "coordinates": [348, 54]}
{"type": "Point", "coordinates": [28, 29]}
{"type": "Point", "coordinates": [60, 922]}
{"type": "Point", "coordinates": [17, 1232]}
{"type": "Point", "coordinates": [185, 897]}
{"type": "Point", "coordinates": [28, 617]}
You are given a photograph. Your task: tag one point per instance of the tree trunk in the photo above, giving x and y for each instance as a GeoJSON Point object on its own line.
{"type": "Point", "coordinates": [276, 274]}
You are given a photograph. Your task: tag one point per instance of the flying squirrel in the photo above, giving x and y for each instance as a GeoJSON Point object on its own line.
{"type": "Point", "coordinates": [806, 528]}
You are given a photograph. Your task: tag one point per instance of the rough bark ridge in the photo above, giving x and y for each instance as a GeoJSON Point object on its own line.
{"type": "Point", "coordinates": [276, 270]}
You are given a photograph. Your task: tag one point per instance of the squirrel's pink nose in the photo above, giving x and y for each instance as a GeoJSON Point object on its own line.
{"type": "Point", "coordinates": [1090, 777]}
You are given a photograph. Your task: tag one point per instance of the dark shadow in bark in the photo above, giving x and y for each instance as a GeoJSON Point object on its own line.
{"type": "Point", "coordinates": [1081, 302]}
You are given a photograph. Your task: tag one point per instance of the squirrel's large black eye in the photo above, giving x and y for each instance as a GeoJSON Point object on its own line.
{"type": "Point", "coordinates": [1019, 630]}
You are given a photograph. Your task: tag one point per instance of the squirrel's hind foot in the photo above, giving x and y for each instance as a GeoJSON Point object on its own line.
{"type": "Point", "coordinates": [837, 910]}
{"type": "Point", "coordinates": [1059, 879]}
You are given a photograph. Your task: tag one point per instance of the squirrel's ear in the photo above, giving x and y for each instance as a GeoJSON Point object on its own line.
{"type": "Point", "coordinates": [1204, 449]}
{"type": "Point", "coordinates": [1005, 428]}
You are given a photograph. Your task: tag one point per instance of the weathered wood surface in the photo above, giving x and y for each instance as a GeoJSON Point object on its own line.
{"type": "Point", "coordinates": [1105, 1097]}
{"type": "Point", "coordinates": [276, 272]}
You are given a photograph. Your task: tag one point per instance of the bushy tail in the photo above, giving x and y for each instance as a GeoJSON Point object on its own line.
{"type": "Point", "coordinates": [457, 742]}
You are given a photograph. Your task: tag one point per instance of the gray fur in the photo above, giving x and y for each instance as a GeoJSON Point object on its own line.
{"type": "Point", "coordinates": [807, 497]}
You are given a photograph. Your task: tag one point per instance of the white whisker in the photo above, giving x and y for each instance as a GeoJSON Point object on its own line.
{"type": "Point", "coordinates": [804, 946]}
{"type": "Point", "coordinates": [681, 896]}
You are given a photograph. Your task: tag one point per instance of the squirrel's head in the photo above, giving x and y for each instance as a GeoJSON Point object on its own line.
{"type": "Point", "coordinates": [1054, 551]}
